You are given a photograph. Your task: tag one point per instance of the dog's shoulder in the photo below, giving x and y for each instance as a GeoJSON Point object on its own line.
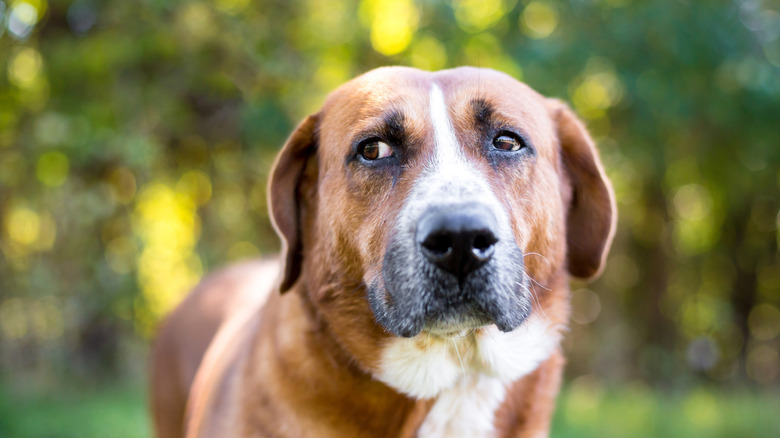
{"type": "Point", "coordinates": [243, 290]}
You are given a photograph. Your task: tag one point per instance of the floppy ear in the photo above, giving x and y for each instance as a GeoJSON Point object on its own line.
{"type": "Point", "coordinates": [283, 199]}
{"type": "Point", "coordinates": [592, 214]}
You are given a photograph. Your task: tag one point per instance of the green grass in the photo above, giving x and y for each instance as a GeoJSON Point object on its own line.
{"type": "Point", "coordinates": [110, 412]}
{"type": "Point", "coordinates": [584, 411]}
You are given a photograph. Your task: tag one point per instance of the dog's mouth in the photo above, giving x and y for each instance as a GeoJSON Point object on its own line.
{"type": "Point", "coordinates": [456, 318]}
{"type": "Point", "coordinates": [444, 306]}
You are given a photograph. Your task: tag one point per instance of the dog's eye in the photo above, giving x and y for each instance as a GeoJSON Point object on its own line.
{"type": "Point", "coordinates": [508, 142]}
{"type": "Point", "coordinates": [375, 150]}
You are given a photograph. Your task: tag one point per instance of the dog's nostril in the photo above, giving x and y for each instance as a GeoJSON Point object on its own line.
{"type": "Point", "coordinates": [483, 242]}
{"type": "Point", "coordinates": [438, 244]}
{"type": "Point", "coordinates": [458, 240]}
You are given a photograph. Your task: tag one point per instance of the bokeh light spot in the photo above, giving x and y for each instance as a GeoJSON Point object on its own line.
{"type": "Point", "coordinates": [52, 129]}
{"type": "Point", "coordinates": [598, 89]}
{"type": "Point", "coordinates": [692, 202]}
{"type": "Point", "coordinates": [763, 363]}
{"type": "Point", "coordinates": [168, 267]}
{"type": "Point", "coordinates": [196, 186]}
{"type": "Point", "coordinates": [477, 15]}
{"type": "Point", "coordinates": [696, 229]}
{"type": "Point", "coordinates": [702, 410]}
{"type": "Point", "coordinates": [334, 69]}
{"type": "Point", "coordinates": [52, 168]}
{"type": "Point", "coordinates": [22, 19]}
{"type": "Point", "coordinates": [585, 305]}
{"type": "Point", "coordinates": [539, 19]}
{"type": "Point", "coordinates": [764, 322]}
{"type": "Point", "coordinates": [485, 50]}
{"type": "Point", "coordinates": [25, 67]}
{"type": "Point", "coordinates": [197, 22]}
{"type": "Point", "coordinates": [597, 93]}
{"type": "Point", "coordinates": [393, 23]}
{"type": "Point", "coordinates": [25, 71]}
{"type": "Point", "coordinates": [702, 353]}
{"type": "Point", "coordinates": [81, 16]}
{"type": "Point", "coordinates": [23, 225]}
{"type": "Point", "coordinates": [428, 54]}
{"type": "Point", "coordinates": [701, 313]}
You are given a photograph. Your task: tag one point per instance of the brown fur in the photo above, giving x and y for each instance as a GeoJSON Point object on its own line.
{"type": "Point", "coordinates": [302, 363]}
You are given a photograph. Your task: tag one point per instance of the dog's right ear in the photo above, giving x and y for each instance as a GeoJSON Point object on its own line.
{"type": "Point", "coordinates": [283, 199]}
{"type": "Point", "coordinates": [592, 215]}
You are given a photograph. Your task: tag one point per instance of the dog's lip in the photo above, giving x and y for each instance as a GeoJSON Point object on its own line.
{"type": "Point", "coordinates": [460, 331]}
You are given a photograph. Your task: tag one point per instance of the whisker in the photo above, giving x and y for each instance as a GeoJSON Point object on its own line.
{"type": "Point", "coordinates": [462, 368]}
{"type": "Point", "coordinates": [473, 341]}
{"type": "Point", "coordinates": [535, 294]}
{"type": "Point", "coordinates": [538, 284]}
{"type": "Point", "coordinates": [537, 254]}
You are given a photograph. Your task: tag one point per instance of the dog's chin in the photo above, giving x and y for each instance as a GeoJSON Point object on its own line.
{"type": "Point", "coordinates": [455, 330]}
{"type": "Point", "coordinates": [407, 313]}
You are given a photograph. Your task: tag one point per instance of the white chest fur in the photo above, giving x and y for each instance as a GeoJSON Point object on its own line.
{"type": "Point", "coordinates": [466, 410]}
{"type": "Point", "coordinates": [468, 375]}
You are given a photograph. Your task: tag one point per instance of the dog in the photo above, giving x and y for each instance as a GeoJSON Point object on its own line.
{"type": "Point", "coordinates": [430, 222]}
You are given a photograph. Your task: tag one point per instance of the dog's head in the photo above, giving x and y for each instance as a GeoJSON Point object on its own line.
{"type": "Point", "coordinates": [443, 205]}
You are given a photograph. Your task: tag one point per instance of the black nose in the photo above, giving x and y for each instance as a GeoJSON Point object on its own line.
{"type": "Point", "coordinates": [458, 240]}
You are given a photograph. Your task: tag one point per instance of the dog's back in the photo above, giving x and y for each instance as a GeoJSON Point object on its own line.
{"type": "Point", "coordinates": [189, 330]}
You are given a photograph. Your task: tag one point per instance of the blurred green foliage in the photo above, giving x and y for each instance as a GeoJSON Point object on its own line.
{"type": "Point", "coordinates": [136, 139]}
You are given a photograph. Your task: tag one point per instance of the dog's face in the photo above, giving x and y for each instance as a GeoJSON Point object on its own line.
{"type": "Point", "coordinates": [439, 206]}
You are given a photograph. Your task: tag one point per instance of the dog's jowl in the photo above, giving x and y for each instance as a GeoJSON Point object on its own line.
{"type": "Point", "coordinates": [430, 223]}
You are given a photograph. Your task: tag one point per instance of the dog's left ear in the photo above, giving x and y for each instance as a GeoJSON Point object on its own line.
{"type": "Point", "coordinates": [592, 214]}
{"type": "Point", "coordinates": [283, 194]}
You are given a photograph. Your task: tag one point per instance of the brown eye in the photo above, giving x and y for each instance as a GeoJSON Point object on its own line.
{"type": "Point", "coordinates": [507, 142]}
{"type": "Point", "coordinates": [375, 149]}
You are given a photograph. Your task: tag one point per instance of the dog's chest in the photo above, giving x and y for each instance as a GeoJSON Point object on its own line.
{"type": "Point", "coordinates": [466, 410]}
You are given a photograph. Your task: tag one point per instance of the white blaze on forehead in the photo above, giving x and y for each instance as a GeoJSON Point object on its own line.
{"type": "Point", "coordinates": [447, 148]}
{"type": "Point", "coordinates": [451, 178]}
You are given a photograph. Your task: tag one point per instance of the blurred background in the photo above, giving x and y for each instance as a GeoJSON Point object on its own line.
{"type": "Point", "coordinates": [136, 139]}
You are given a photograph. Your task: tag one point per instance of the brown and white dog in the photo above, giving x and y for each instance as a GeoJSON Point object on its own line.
{"type": "Point", "coordinates": [430, 222]}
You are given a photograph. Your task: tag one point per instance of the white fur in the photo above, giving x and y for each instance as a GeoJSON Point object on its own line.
{"type": "Point", "coordinates": [421, 367]}
{"type": "Point", "coordinates": [448, 151]}
{"type": "Point", "coordinates": [426, 365]}
{"type": "Point", "coordinates": [467, 375]}
{"type": "Point", "coordinates": [509, 356]}
{"type": "Point", "coordinates": [466, 410]}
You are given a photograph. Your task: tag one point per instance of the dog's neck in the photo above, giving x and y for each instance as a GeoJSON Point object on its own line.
{"type": "Point", "coordinates": [337, 396]}
{"type": "Point", "coordinates": [331, 387]}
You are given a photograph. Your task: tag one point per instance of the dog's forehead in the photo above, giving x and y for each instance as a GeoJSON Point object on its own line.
{"type": "Point", "coordinates": [406, 92]}
{"type": "Point", "coordinates": [376, 92]}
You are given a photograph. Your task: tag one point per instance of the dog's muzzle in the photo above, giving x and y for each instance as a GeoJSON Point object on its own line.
{"type": "Point", "coordinates": [453, 269]}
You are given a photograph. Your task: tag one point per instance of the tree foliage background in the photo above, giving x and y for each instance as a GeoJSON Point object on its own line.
{"type": "Point", "coordinates": [136, 138]}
